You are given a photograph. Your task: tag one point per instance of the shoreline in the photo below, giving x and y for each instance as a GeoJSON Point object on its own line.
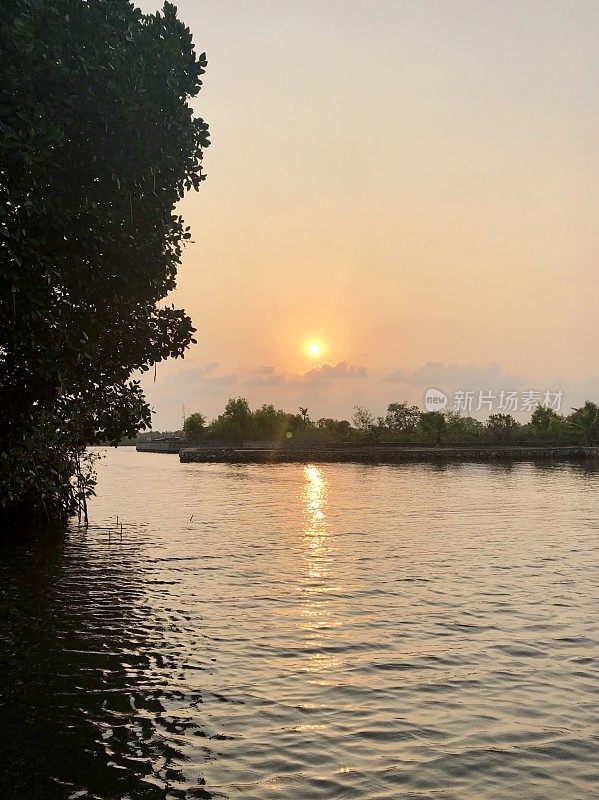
{"type": "Point", "coordinates": [386, 455]}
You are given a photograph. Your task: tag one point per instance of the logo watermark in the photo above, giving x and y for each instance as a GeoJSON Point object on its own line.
{"type": "Point", "coordinates": [504, 402]}
{"type": "Point", "coordinates": [435, 400]}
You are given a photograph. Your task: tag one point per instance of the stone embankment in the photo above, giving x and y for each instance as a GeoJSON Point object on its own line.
{"type": "Point", "coordinates": [172, 445]}
{"type": "Point", "coordinates": [386, 455]}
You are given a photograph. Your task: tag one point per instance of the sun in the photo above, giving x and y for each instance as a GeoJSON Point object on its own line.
{"type": "Point", "coordinates": [314, 348]}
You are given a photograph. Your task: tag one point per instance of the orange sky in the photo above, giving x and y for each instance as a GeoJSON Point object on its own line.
{"type": "Point", "coordinates": [414, 182]}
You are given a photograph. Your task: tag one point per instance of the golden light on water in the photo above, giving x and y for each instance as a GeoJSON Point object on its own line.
{"type": "Point", "coordinates": [317, 585]}
{"type": "Point", "coordinates": [314, 501]}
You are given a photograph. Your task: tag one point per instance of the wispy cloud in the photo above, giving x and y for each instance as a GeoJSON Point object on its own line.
{"type": "Point", "coordinates": [266, 376]}
{"type": "Point", "coordinates": [326, 374]}
{"type": "Point", "coordinates": [467, 376]}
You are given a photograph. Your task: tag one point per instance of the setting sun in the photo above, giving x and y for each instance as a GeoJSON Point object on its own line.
{"type": "Point", "coordinates": [314, 348]}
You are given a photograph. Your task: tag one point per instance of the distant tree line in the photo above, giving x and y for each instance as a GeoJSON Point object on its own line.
{"type": "Point", "coordinates": [402, 423]}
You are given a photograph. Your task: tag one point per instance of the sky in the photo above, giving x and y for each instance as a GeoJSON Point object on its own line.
{"type": "Point", "coordinates": [412, 184]}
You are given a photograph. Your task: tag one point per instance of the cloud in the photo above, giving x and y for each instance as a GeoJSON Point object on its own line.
{"type": "Point", "coordinates": [229, 379]}
{"type": "Point", "coordinates": [207, 369]}
{"type": "Point", "coordinates": [327, 374]}
{"type": "Point", "coordinates": [466, 376]}
{"type": "Point", "coordinates": [173, 375]}
{"type": "Point", "coordinates": [266, 376]}
{"type": "Point", "coordinates": [318, 376]}
{"type": "Point", "coordinates": [173, 385]}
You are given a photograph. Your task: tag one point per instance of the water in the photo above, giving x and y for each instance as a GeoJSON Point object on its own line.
{"type": "Point", "coordinates": [293, 632]}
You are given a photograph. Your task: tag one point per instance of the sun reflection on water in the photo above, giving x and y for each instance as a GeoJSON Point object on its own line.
{"type": "Point", "coordinates": [317, 584]}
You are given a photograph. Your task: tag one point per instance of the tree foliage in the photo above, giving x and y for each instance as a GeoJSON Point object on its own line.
{"type": "Point", "coordinates": [194, 427]}
{"type": "Point", "coordinates": [501, 428]}
{"type": "Point", "coordinates": [402, 424]}
{"type": "Point", "coordinates": [98, 143]}
{"type": "Point", "coordinates": [585, 423]}
{"type": "Point", "coordinates": [434, 426]}
{"type": "Point", "coordinates": [401, 417]}
{"type": "Point", "coordinates": [239, 423]}
{"type": "Point", "coordinates": [363, 419]}
{"type": "Point", "coordinates": [542, 419]}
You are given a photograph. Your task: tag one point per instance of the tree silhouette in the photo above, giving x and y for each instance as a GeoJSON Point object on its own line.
{"type": "Point", "coordinates": [98, 145]}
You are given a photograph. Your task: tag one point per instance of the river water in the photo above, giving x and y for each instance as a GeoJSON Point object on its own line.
{"type": "Point", "coordinates": [298, 632]}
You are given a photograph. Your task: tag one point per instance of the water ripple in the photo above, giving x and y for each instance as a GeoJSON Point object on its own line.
{"type": "Point", "coordinates": [270, 632]}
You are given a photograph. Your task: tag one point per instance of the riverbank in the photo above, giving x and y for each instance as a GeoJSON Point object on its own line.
{"type": "Point", "coordinates": [387, 455]}
{"type": "Point", "coordinates": [166, 445]}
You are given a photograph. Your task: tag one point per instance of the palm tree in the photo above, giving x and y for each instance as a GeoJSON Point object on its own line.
{"type": "Point", "coordinates": [586, 422]}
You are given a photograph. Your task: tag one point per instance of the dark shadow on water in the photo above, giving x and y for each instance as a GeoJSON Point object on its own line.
{"type": "Point", "coordinates": [588, 467]}
{"type": "Point", "coordinates": [87, 707]}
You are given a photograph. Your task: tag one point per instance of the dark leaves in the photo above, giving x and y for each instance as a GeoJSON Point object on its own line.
{"type": "Point", "coordinates": [97, 144]}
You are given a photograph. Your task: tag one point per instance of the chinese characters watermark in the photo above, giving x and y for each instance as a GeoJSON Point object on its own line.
{"type": "Point", "coordinates": [503, 402]}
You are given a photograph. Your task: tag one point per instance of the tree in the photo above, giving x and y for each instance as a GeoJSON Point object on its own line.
{"type": "Point", "coordinates": [98, 144]}
{"type": "Point", "coordinates": [434, 426]}
{"type": "Point", "coordinates": [363, 420]}
{"type": "Point", "coordinates": [194, 427]}
{"type": "Point", "coordinates": [501, 428]}
{"type": "Point", "coordinates": [401, 417]}
{"type": "Point", "coordinates": [542, 419]}
{"type": "Point", "coordinates": [337, 430]}
{"type": "Point", "coordinates": [235, 423]}
{"type": "Point", "coordinates": [463, 429]}
{"type": "Point", "coordinates": [271, 424]}
{"type": "Point", "coordinates": [585, 422]}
